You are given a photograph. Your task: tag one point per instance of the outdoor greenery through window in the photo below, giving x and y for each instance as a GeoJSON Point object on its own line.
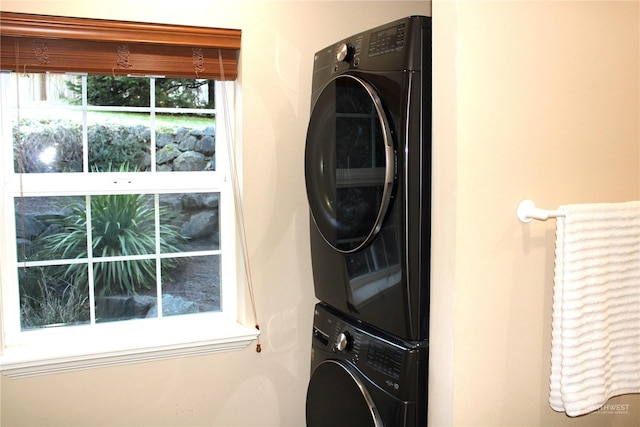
{"type": "Point", "coordinates": [118, 203]}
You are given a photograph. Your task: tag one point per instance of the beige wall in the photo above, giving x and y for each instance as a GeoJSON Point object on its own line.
{"type": "Point", "coordinates": [243, 388]}
{"type": "Point", "coordinates": [532, 100]}
{"type": "Point", "coordinates": [545, 106]}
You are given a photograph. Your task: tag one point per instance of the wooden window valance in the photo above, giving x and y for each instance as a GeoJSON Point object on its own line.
{"type": "Point", "coordinates": [38, 43]}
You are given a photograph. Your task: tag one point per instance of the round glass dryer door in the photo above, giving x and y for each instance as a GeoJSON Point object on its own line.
{"type": "Point", "coordinates": [349, 163]}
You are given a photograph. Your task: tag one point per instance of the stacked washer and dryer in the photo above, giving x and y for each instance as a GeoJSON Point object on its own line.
{"type": "Point", "coordinates": [368, 178]}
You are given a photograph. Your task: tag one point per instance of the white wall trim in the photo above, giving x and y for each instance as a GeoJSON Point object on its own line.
{"type": "Point", "coordinates": [108, 347]}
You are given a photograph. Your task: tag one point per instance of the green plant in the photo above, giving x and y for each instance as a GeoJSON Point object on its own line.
{"type": "Point", "coordinates": [121, 225]}
{"type": "Point", "coordinates": [62, 142]}
{"type": "Point", "coordinates": [117, 144]}
{"type": "Point", "coordinates": [135, 92]}
{"type": "Point", "coordinates": [46, 299]}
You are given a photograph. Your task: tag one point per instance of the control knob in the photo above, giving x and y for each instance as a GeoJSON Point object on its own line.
{"type": "Point", "coordinates": [345, 52]}
{"type": "Point", "coordinates": [343, 342]}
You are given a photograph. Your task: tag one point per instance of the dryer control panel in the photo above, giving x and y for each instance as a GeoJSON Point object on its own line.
{"type": "Point", "coordinates": [386, 48]}
{"type": "Point", "coordinates": [387, 40]}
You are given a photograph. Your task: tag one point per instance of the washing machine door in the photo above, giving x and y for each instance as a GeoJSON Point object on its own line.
{"type": "Point", "coordinates": [349, 163]}
{"type": "Point", "coordinates": [337, 398]}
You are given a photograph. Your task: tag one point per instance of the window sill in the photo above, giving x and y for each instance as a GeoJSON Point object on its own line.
{"type": "Point", "coordinates": [55, 350]}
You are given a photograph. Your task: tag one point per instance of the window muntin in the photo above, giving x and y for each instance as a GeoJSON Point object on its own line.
{"type": "Point", "coordinates": [142, 225]}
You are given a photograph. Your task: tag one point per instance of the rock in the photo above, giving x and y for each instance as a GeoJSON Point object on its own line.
{"type": "Point", "coordinates": [122, 307]}
{"type": "Point", "coordinates": [188, 144]}
{"type": "Point", "coordinates": [170, 202]}
{"type": "Point", "coordinates": [210, 131]}
{"type": "Point", "coordinates": [29, 227]}
{"type": "Point", "coordinates": [191, 202]}
{"type": "Point", "coordinates": [134, 134]}
{"type": "Point", "coordinates": [189, 161]}
{"type": "Point", "coordinates": [211, 201]}
{"type": "Point", "coordinates": [172, 306]}
{"type": "Point", "coordinates": [143, 133]}
{"type": "Point", "coordinates": [167, 153]}
{"type": "Point", "coordinates": [163, 139]}
{"type": "Point", "coordinates": [206, 146]}
{"type": "Point", "coordinates": [143, 161]}
{"type": "Point", "coordinates": [181, 134]}
{"type": "Point", "coordinates": [200, 225]}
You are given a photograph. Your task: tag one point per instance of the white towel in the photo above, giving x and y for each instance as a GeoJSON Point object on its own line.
{"type": "Point", "coordinates": [595, 343]}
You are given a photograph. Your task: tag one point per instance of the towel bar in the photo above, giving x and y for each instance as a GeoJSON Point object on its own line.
{"type": "Point", "coordinates": [527, 211]}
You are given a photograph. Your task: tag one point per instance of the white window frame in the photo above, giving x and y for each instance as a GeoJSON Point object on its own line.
{"type": "Point", "coordinates": [60, 349]}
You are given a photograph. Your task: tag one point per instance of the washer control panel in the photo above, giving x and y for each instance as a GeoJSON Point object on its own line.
{"type": "Point", "coordinates": [344, 341]}
{"type": "Point", "coordinates": [384, 359]}
{"type": "Point", "coordinates": [393, 365]}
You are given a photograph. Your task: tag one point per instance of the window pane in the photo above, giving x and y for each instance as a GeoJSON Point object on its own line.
{"type": "Point", "coordinates": [189, 222]}
{"type": "Point", "coordinates": [124, 277]}
{"type": "Point", "coordinates": [119, 141]}
{"type": "Point", "coordinates": [124, 289]}
{"type": "Point", "coordinates": [192, 286]}
{"type": "Point", "coordinates": [49, 296]}
{"type": "Point", "coordinates": [50, 228]}
{"type": "Point", "coordinates": [185, 93]}
{"type": "Point", "coordinates": [185, 139]}
{"type": "Point", "coordinates": [47, 127]}
{"type": "Point", "coordinates": [122, 225]}
{"type": "Point", "coordinates": [118, 91]}
{"type": "Point", "coordinates": [185, 143]}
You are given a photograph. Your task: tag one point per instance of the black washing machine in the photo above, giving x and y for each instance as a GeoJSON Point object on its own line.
{"type": "Point", "coordinates": [368, 176]}
{"type": "Point", "coordinates": [362, 377]}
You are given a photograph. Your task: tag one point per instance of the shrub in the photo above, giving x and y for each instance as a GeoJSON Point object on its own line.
{"type": "Point", "coordinates": [128, 145]}
{"type": "Point", "coordinates": [121, 225]}
{"type": "Point", "coordinates": [46, 299]}
{"type": "Point", "coordinates": [64, 140]}
{"type": "Point", "coordinates": [135, 92]}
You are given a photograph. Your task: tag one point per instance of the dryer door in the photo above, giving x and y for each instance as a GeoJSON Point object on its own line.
{"type": "Point", "coordinates": [349, 163]}
{"type": "Point", "coordinates": [337, 398]}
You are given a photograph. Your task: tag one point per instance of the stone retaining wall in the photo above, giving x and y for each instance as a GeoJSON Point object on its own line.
{"type": "Point", "coordinates": [58, 148]}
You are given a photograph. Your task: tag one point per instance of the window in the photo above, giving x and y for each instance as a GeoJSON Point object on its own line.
{"type": "Point", "coordinates": [118, 222]}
